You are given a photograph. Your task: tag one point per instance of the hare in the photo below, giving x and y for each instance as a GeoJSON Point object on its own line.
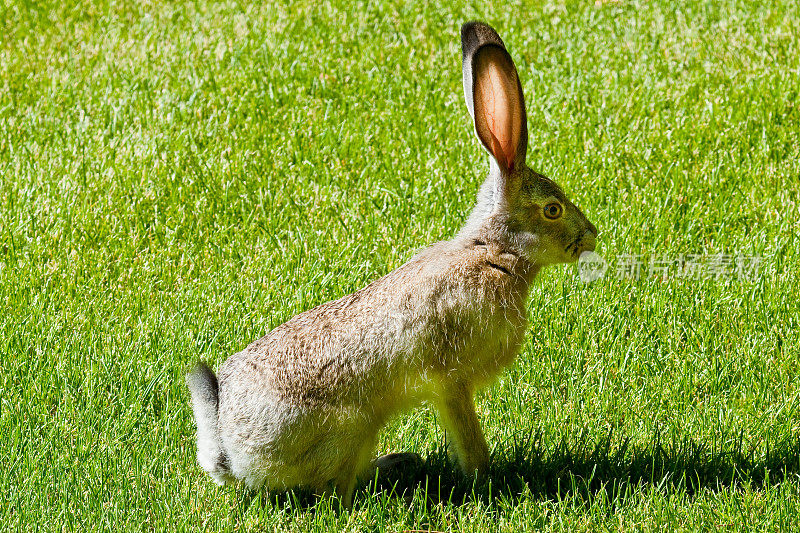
{"type": "Point", "coordinates": [303, 405]}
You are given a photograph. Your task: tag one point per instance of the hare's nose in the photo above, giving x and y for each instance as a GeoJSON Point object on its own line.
{"type": "Point", "coordinates": [592, 228]}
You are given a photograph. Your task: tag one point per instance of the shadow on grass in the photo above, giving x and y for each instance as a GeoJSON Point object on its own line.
{"type": "Point", "coordinates": [587, 467]}
{"type": "Point", "coordinates": [529, 469]}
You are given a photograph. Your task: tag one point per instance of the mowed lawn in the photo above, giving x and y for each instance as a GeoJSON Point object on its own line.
{"type": "Point", "coordinates": [177, 179]}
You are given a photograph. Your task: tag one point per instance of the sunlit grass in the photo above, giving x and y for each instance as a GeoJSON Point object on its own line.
{"type": "Point", "coordinates": [176, 180]}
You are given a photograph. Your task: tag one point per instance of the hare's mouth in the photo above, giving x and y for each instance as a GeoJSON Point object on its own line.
{"type": "Point", "coordinates": [574, 247]}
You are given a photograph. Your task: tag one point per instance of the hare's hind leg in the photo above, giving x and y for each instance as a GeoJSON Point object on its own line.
{"type": "Point", "coordinates": [354, 468]}
{"type": "Point", "coordinates": [457, 411]}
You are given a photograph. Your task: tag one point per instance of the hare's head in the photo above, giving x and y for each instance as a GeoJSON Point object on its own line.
{"type": "Point", "coordinates": [520, 209]}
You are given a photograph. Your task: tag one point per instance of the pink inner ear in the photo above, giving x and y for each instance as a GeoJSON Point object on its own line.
{"type": "Point", "coordinates": [497, 106]}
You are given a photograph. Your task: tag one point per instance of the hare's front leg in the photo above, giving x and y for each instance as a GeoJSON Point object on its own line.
{"type": "Point", "coordinates": [457, 412]}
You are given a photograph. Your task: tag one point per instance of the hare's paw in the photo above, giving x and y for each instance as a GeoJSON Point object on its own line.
{"type": "Point", "coordinates": [393, 462]}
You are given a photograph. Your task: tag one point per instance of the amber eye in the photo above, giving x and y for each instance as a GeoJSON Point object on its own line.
{"type": "Point", "coordinates": [553, 211]}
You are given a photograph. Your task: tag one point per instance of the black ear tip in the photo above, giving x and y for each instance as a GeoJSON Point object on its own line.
{"type": "Point", "coordinates": [468, 28]}
{"type": "Point", "coordinates": [478, 27]}
{"type": "Point", "coordinates": [475, 34]}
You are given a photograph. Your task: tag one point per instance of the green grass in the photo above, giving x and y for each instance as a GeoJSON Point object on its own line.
{"type": "Point", "coordinates": [178, 179]}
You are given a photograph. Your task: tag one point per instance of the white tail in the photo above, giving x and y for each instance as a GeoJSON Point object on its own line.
{"type": "Point", "coordinates": [210, 454]}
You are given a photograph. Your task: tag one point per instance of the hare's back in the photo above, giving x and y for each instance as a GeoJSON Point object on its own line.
{"type": "Point", "coordinates": [424, 313]}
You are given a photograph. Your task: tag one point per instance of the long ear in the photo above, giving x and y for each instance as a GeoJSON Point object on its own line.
{"type": "Point", "coordinates": [494, 97]}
